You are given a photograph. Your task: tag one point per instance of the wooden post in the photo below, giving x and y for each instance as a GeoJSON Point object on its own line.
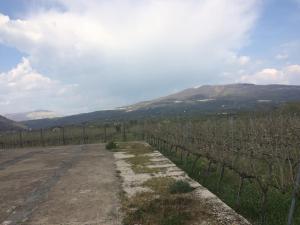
{"type": "Point", "coordinates": [124, 132]}
{"type": "Point", "coordinates": [238, 197]}
{"type": "Point", "coordinates": [220, 178]}
{"type": "Point", "coordinates": [181, 155]}
{"type": "Point", "coordinates": [294, 197]}
{"type": "Point", "coordinates": [194, 163]}
{"type": "Point", "coordinates": [207, 171]}
{"type": "Point", "coordinates": [143, 134]}
{"type": "Point", "coordinates": [63, 135]}
{"type": "Point", "coordinates": [21, 139]}
{"type": "Point", "coordinates": [187, 155]}
{"type": "Point", "coordinates": [263, 212]}
{"type": "Point", "coordinates": [105, 137]}
{"type": "Point", "coordinates": [42, 137]}
{"type": "Point", "coordinates": [83, 133]}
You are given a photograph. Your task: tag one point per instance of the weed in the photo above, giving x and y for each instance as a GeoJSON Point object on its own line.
{"type": "Point", "coordinates": [159, 184]}
{"type": "Point", "coordinates": [136, 148]}
{"type": "Point", "coordinates": [180, 186]}
{"type": "Point", "coordinates": [111, 145]}
{"type": "Point", "coordinates": [166, 210]}
{"type": "Point", "coordinates": [139, 164]}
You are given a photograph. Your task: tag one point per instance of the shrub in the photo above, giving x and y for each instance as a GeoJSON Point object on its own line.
{"type": "Point", "coordinates": [180, 186]}
{"type": "Point", "coordinates": [111, 145]}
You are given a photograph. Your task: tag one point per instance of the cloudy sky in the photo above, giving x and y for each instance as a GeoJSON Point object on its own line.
{"type": "Point", "coordinates": [79, 56]}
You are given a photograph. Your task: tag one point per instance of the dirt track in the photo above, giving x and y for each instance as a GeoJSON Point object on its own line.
{"type": "Point", "coordinates": [59, 185]}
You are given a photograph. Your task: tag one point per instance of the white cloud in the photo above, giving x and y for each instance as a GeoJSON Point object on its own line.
{"type": "Point", "coordinates": [234, 59]}
{"type": "Point", "coordinates": [23, 86]}
{"type": "Point", "coordinates": [24, 78]}
{"type": "Point", "coordinates": [243, 60]}
{"type": "Point", "coordinates": [287, 75]}
{"type": "Point", "coordinates": [282, 56]}
{"type": "Point", "coordinates": [116, 47]}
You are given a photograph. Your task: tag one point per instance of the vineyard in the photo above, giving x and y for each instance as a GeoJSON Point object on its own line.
{"type": "Point", "coordinates": [252, 162]}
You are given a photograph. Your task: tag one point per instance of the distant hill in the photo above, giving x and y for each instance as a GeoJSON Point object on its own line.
{"type": "Point", "coordinates": [9, 125]}
{"type": "Point", "coordinates": [206, 99]}
{"type": "Point", "coordinates": [34, 115]}
{"type": "Point", "coordinates": [74, 119]}
{"type": "Point", "coordinates": [219, 97]}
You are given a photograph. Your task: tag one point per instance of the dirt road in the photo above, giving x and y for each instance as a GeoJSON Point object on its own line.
{"type": "Point", "coordinates": [59, 185]}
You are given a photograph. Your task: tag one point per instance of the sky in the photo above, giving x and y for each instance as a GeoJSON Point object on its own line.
{"type": "Point", "coordinates": [80, 56]}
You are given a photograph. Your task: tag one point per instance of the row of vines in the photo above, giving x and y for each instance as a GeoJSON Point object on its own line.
{"type": "Point", "coordinates": [253, 156]}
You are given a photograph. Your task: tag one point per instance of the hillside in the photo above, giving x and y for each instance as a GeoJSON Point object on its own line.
{"type": "Point", "coordinates": [103, 116]}
{"type": "Point", "coordinates": [33, 115]}
{"type": "Point", "coordinates": [206, 99]}
{"type": "Point", "coordinates": [8, 125]}
{"type": "Point", "coordinates": [232, 96]}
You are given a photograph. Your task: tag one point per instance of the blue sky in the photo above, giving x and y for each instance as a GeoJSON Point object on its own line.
{"type": "Point", "coordinates": [278, 24]}
{"type": "Point", "coordinates": [79, 56]}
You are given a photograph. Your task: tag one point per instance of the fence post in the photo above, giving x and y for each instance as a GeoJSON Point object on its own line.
{"type": "Point", "coordinates": [294, 197]}
{"type": "Point", "coordinates": [221, 177]}
{"type": "Point", "coordinates": [124, 132]}
{"type": "Point", "coordinates": [105, 138]}
{"type": "Point", "coordinates": [21, 139]}
{"type": "Point", "coordinates": [42, 137]}
{"type": "Point", "coordinates": [83, 133]}
{"type": "Point", "coordinates": [238, 197]}
{"type": "Point", "coordinates": [63, 135]}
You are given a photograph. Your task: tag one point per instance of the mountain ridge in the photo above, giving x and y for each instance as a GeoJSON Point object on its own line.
{"type": "Point", "coordinates": [9, 125]}
{"type": "Point", "coordinates": [233, 92]}
{"type": "Point", "coordinates": [207, 99]}
{"type": "Point", "coordinates": [32, 115]}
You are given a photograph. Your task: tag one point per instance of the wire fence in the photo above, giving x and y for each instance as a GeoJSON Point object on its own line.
{"type": "Point", "coordinates": [253, 165]}
{"type": "Point", "coordinates": [67, 136]}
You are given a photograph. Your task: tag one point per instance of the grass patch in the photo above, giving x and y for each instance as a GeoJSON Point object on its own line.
{"type": "Point", "coordinates": [278, 203]}
{"type": "Point", "coordinates": [139, 164]}
{"type": "Point", "coordinates": [111, 145]}
{"type": "Point", "coordinates": [139, 160]}
{"type": "Point", "coordinates": [145, 169]}
{"type": "Point", "coordinates": [170, 210]}
{"type": "Point", "coordinates": [159, 184]}
{"type": "Point", "coordinates": [136, 148]}
{"type": "Point", "coordinates": [180, 186]}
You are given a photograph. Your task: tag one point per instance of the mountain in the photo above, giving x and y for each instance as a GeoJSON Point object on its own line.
{"type": "Point", "coordinates": [107, 115]}
{"type": "Point", "coordinates": [34, 115]}
{"type": "Point", "coordinates": [9, 125]}
{"type": "Point", "coordinates": [232, 96]}
{"type": "Point", "coordinates": [208, 99]}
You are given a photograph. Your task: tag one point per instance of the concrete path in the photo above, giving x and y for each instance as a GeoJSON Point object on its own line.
{"type": "Point", "coordinates": [59, 185]}
{"type": "Point", "coordinates": [88, 185]}
{"type": "Point", "coordinates": [146, 172]}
